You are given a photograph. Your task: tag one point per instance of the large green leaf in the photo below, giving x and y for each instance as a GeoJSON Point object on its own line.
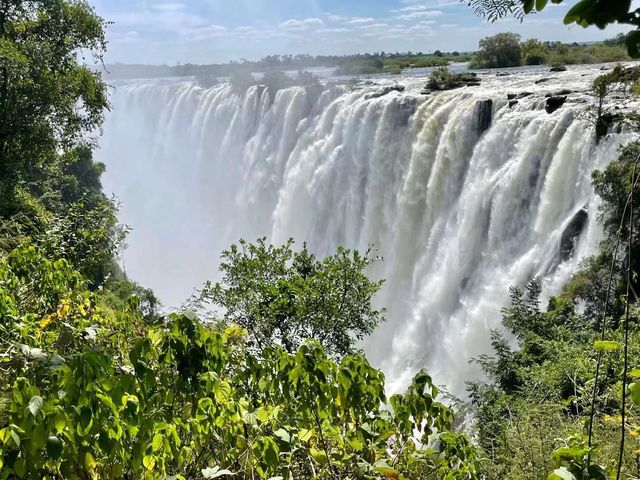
{"type": "Point", "coordinates": [35, 404]}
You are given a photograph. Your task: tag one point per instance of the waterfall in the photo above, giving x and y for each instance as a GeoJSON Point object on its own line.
{"type": "Point", "coordinates": [463, 193]}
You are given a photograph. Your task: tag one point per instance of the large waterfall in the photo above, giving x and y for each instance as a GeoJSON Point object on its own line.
{"type": "Point", "coordinates": [462, 197]}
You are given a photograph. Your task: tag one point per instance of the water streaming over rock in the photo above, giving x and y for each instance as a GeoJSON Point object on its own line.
{"type": "Point", "coordinates": [463, 194]}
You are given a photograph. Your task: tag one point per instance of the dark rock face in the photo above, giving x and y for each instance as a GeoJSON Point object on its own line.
{"type": "Point", "coordinates": [606, 122]}
{"type": "Point", "coordinates": [561, 68]}
{"type": "Point", "coordinates": [572, 233]}
{"type": "Point", "coordinates": [512, 96]}
{"type": "Point", "coordinates": [554, 103]}
{"type": "Point", "coordinates": [484, 114]}
{"type": "Point", "coordinates": [542, 80]}
{"type": "Point", "coordinates": [385, 91]}
{"type": "Point", "coordinates": [513, 103]}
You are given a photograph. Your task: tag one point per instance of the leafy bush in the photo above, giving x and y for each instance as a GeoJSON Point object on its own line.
{"type": "Point", "coordinates": [92, 393]}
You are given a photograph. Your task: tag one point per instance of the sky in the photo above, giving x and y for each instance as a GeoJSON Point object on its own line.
{"type": "Point", "coordinates": [217, 31]}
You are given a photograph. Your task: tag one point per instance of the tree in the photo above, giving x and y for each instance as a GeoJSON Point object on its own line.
{"type": "Point", "coordinates": [500, 51]}
{"type": "Point", "coordinates": [585, 13]}
{"type": "Point", "coordinates": [534, 52]}
{"type": "Point", "coordinates": [49, 99]}
{"type": "Point", "coordinates": [282, 296]}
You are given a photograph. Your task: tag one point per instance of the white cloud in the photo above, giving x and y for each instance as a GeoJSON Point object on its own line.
{"type": "Point", "coordinates": [306, 24]}
{"type": "Point", "coordinates": [357, 20]}
{"type": "Point", "coordinates": [415, 15]}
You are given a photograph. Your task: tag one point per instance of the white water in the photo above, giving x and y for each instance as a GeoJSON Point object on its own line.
{"type": "Point", "coordinates": [457, 216]}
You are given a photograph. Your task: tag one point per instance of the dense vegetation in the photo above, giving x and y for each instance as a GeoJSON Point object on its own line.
{"type": "Point", "coordinates": [506, 50]}
{"type": "Point", "coordinates": [96, 384]}
{"type": "Point", "coordinates": [566, 396]}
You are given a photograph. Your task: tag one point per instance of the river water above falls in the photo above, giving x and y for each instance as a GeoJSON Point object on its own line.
{"type": "Point", "coordinates": [462, 197]}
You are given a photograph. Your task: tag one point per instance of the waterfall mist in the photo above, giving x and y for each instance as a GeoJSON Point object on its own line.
{"type": "Point", "coordinates": [461, 197]}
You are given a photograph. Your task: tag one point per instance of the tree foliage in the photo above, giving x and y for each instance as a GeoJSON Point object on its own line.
{"type": "Point", "coordinates": [49, 99]}
{"type": "Point", "coordinates": [499, 51]}
{"type": "Point", "coordinates": [284, 296]}
{"type": "Point", "coordinates": [90, 392]}
{"type": "Point", "coordinates": [586, 13]}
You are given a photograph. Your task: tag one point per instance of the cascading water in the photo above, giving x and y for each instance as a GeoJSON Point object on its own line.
{"type": "Point", "coordinates": [462, 196]}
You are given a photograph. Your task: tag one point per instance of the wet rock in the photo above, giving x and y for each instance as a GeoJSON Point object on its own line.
{"type": "Point", "coordinates": [542, 80]}
{"type": "Point", "coordinates": [554, 103]}
{"type": "Point", "coordinates": [572, 233]}
{"type": "Point", "coordinates": [502, 74]}
{"type": "Point", "coordinates": [511, 96]}
{"type": "Point", "coordinates": [457, 80]}
{"type": "Point", "coordinates": [560, 68]}
{"type": "Point", "coordinates": [384, 91]}
{"type": "Point", "coordinates": [513, 103]}
{"type": "Point", "coordinates": [605, 69]}
{"type": "Point", "coordinates": [484, 115]}
{"type": "Point", "coordinates": [606, 122]}
{"type": "Point", "coordinates": [524, 95]}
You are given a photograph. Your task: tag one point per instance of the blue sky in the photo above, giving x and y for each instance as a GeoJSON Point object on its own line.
{"type": "Point", "coordinates": [213, 31]}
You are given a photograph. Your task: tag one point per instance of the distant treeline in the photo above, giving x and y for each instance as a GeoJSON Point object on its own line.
{"type": "Point", "coordinates": [280, 62]}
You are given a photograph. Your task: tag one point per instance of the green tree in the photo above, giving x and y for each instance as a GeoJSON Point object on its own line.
{"type": "Point", "coordinates": [49, 99]}
{"type": "Point", "coordinates": [586, 13]}
{"type": "Point", "coordinates": [284, 296]}
{"type": "Point", "coordinates": [500, 51]}
{"type": "Point", "coordinates": [534, 52]}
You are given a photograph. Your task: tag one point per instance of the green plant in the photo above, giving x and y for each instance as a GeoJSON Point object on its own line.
{"type": "Point", "coordinates": [92, 393]}
{"type": "Point", "coordinates": [284, 296]}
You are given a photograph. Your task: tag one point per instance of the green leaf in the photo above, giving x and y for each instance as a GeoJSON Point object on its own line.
{"type": "Point", "coordinates": [319, 456]}
{"type": "Point", "coordinates": [283, 435]}
{"type": "Point", "coordinates": [541, 4]}
{"type": "Point", "coordinates": [149, 462]}
{"type": "Point", "coordinates": [381, 466]}
{"type": "Point", "coordinates": [635, 373]}
{"type": "Point", "coordinates": [634, 391]}
{"type": "Point", "coordinates": [215, 472]}
{"type": "Point", "coordinates": [606, 346]}
{"type": "Point", "coordinates": [528, 6]}
{"type": "Point", "coordinates": [54, 447]}
{"type": "Point", "coordinates": [561, 474]}
{"type": "Point", "coordinates": [222, 391]}
{"type": "Point", "coordinates": [157, 441]}
{"type": "Point", "coordinates": [35, 404]}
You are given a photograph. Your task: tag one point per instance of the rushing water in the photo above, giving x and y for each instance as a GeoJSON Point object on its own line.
{"type": "Point", "coordinates": [458, 212]}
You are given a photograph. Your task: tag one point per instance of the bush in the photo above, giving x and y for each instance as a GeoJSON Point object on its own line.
{"type": "Point", "coordinates": [89, 392]}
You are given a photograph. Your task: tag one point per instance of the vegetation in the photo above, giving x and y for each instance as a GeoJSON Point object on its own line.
{"type": "Point", "coordinates": [286, 297]}
{"type": "Point", "coordinates": [566, 400]}
{"type": "Point", "coordinates": [93, 392]}
{"type": "Point", "coordinates": [96, 384]}
{"type": "Point", "coordinates": [442, 78]}
{"type": "Point", "coordinates": [501, 50]}
{"type": "Point", "coordinates": [505, 50]}
{"type": "Point", "coordinates": [585, 13]}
